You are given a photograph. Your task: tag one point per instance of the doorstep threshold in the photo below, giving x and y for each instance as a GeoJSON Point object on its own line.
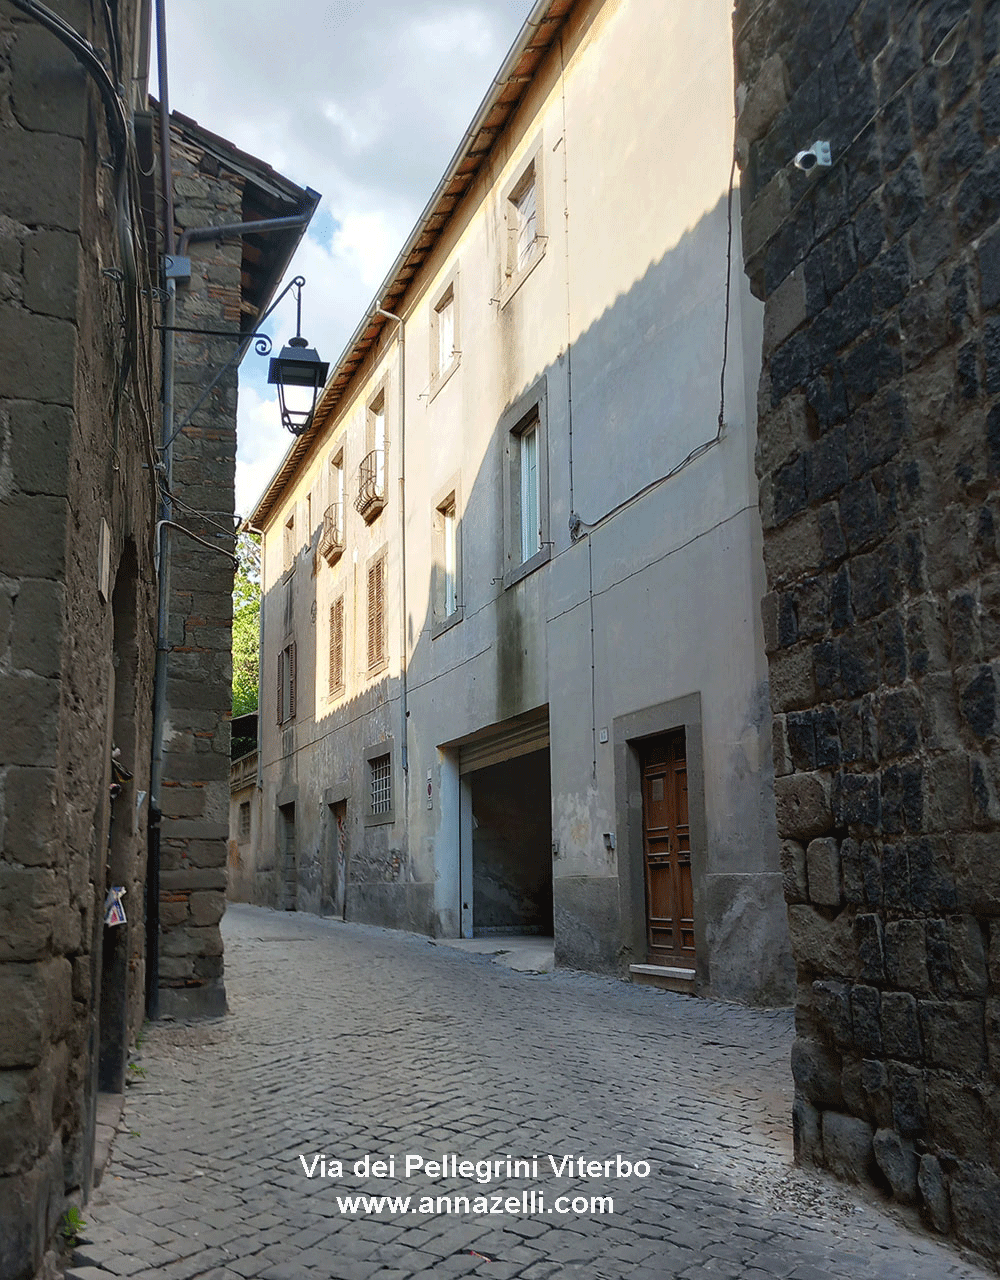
{"type": "Point", "coordinates": [664, 976]}
{"type": "Point", "coordinates": [662, 971]}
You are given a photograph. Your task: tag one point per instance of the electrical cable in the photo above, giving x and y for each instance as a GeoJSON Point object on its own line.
{"type": "Point", "coordinates": [114, 47]}
{"type": "Point", "coordinates": [580, 528]}
{"type": "Point", "coordinates": [201, 515]}
{"type": "Point", "coordinates": [85, 53]}
{"type": "Point", "coordinates": [122, 142]}
{"type": "Point", "coordinates": [172, 524]}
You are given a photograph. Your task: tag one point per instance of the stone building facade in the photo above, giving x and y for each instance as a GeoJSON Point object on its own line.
{"type": "Point", "coordinates": [81, 492]}
{"type": "Point", "coordinates": [513, 674]}
{"type": "Point", "coordinates": [879, 465]}
{"type": "Point", "coordinates": [227, 281]}
{"type": "Point", "coordinates": [78, 413]}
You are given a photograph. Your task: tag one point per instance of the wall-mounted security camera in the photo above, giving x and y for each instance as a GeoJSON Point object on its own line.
{"type": "Point", "coordinates": [815, 157]}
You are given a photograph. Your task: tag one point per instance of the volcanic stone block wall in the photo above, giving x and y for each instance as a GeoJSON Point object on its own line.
{"type": "Point", "coordinates": [879, 465]}
{"type": "Point", "coordinates": [195, 794]}
{"type": "Point", "coordinates": [76, 622]}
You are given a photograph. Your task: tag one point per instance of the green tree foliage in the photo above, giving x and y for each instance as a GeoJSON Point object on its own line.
{"type": "Point", "coordinates": [246, 624]}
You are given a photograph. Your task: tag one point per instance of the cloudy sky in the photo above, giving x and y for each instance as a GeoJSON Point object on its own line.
{"type": "Point", "coordinates": [363, 100]}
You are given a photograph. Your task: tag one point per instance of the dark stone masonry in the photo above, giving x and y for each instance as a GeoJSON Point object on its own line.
{"type": "Point", "coordinates": [879, 466]}
{"type": "Point", "coordinates": [83, 496]}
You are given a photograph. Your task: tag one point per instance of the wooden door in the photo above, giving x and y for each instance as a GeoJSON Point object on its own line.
{"type": "Point", "coordinates": [666, 840]}
{"type": "Point", "coordinates": [289, 867]}
{"type": "Point", "coordinates": [340, 878]}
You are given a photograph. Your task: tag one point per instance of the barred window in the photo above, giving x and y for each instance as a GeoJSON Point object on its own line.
{"type": "Point", "coordinates": [337, 646]}
{"type": "Point", "coordinates": [244, 828]}
{"type": "Point", "coordinates": [380, 778]}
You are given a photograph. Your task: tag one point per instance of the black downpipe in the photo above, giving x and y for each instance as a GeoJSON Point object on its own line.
{"type": "Point", "coordinates": [153, 915]}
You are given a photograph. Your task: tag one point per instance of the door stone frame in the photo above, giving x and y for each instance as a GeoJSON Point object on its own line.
{"type": "Point", "coordinates": [628, 731]}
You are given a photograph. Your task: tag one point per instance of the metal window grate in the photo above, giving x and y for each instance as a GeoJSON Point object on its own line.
{"type": "Point", "coordinates": [380, 778]}
{"type": "Point", "coordinates": [244, 821]}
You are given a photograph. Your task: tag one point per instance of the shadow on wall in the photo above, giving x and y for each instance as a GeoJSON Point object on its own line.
{"type": "Point", "coordinates": [645, 392]}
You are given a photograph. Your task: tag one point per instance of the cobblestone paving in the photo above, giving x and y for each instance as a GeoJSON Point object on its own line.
{"type": "Point", "coordinates": [345, 1041]}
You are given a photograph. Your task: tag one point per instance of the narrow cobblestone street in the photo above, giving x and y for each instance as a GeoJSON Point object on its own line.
{"type": "Point", "coordinates": [345, 1042]}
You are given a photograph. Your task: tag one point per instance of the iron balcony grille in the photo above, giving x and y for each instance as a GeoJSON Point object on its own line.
{"type": "Point", "coordinates": [331, 543]}
{"type": "Point", "coordinates": [371, 484]}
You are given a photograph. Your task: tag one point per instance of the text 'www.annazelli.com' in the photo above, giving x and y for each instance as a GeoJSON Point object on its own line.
{"type": "Point", "coordinates": [527, 1205]}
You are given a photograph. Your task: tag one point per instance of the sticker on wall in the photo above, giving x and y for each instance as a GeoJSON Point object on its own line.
{"type": "Point", "coordinates": [114, 912]}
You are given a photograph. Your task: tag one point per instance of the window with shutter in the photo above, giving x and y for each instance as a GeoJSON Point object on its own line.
{"type": "Point", "coordinates": [286, 683]}
{"type": "Point", "coordinates": [376, 613]}
{"type": "Point", "coordinates": [525, 220]}
{"type": "Point", "coordinates": [445, 321]}
{"type": "Point", "coordinates": [524, 223]}
{"type": "Point", "coordinates": [337, 646]}
{"type": "Point", "coordinates": [288, 543]}
{"type": "Point", "coordinates": [525, 481]}
{"type": "Point", "coordinates": [531, 540]}
{"type": "Point", "coordinates": [446, 331]}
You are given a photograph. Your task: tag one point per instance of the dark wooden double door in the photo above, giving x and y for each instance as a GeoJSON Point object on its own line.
{"type": "Point", "coordinates": [666, 841]}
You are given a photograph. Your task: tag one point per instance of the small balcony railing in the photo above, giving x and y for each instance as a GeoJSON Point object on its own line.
{"type": "Point", "coordinates": [243, 772]}
{"type": "Point", "coordinates": [371, 485]}
{"type": "Point", "coordinates": [331, 542]}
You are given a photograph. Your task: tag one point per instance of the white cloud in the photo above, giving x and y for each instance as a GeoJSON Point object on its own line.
{"type": "Point", "coordinates": [370, 242]}
{"type": "Point", "coordinates": [262, 444]}
{"type": "Point", "coordinates": [463, 30]}
{"type": "Point", "coordinates": [362, 100]}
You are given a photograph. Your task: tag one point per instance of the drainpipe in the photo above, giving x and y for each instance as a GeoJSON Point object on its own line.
{"type": "Point", "coordinates": [162, 564]}
{"type": "Point", "coordinates": [242, 228]}
{"type": "Point", "coordinates": [403, 709]}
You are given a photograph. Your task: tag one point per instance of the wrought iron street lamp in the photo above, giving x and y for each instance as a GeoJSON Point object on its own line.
{"type": "Point", "coordinates": [298, 373]}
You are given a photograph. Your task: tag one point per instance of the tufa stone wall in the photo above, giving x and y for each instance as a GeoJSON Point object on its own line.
{"type": "Point", "coordinates": [879, 463]}
{"type": "Point", "coordinates": [195, 794]}
{"type": "Point", "coordinates": [76, 626]}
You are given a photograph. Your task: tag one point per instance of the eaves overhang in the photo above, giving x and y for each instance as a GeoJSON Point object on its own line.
{"type": "Point", "coordinates": [506, 92]}
{"type": "Point", "coordinates": [267, 194]}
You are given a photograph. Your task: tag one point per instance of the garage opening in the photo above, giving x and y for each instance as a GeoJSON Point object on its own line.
{"type": "Point", "coordinates": [507, 775]}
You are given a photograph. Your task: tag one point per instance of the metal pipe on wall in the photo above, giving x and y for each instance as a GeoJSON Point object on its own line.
{"type": "Point", "coordinates": [403, 709]}
{"type": "Point", "coordinates": [162, 547]}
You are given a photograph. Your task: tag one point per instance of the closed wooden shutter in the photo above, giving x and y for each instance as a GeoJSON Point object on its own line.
{"type": "Point", "coordinates": [281, 686]}
{"type": "Point", "coordinates": [291, 680]}
{"type": "Point", "coordinates": [337, 645]}
{"type": "Point", "coordinates": [376, 613]}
